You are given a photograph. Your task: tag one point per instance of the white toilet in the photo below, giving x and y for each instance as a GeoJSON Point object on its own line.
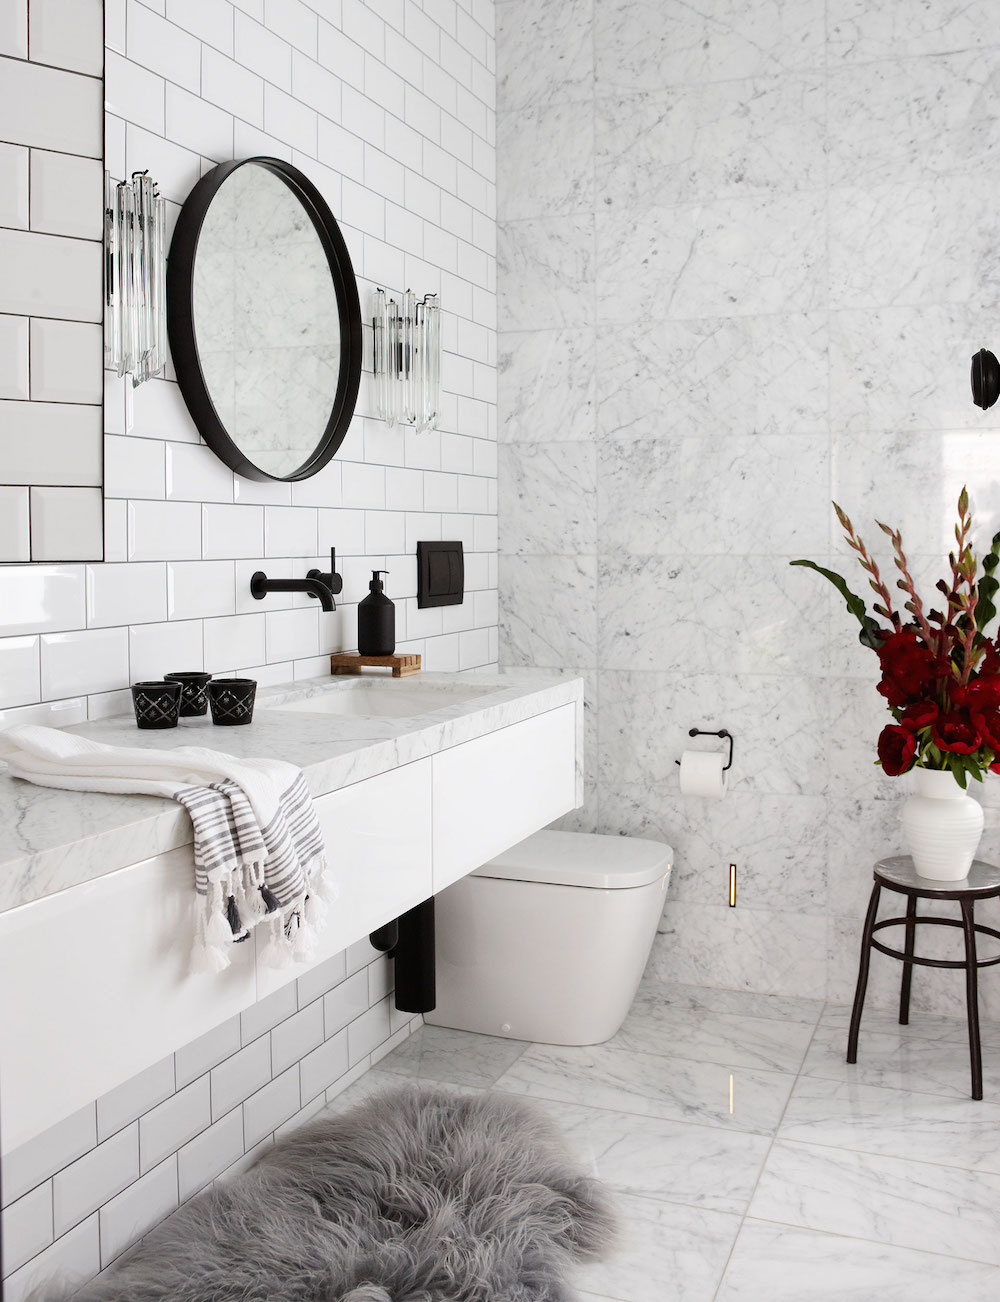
{"type": "Point", "coordinates": [548, 941]}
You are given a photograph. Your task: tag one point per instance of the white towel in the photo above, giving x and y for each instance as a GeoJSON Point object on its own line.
{"type": "Point", "coordinates": [258, 849]}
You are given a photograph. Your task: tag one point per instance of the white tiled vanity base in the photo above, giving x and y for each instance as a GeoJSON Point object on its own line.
{"type": "Point", "coordinates": [749, 1162]}
{"type": "Point", "coordinates": [79, 1194]}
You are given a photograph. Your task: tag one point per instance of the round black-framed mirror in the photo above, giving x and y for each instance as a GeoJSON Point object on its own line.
{"type": "Point", "coordinates": [264, 319]}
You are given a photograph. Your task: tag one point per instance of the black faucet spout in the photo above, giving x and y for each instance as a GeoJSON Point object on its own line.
{"type": "Point", "coordinates": [261, 585]}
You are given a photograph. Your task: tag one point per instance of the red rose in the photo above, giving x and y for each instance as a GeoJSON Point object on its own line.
{"type": "Point", "coordinates": [956, 732]}
{"type": "Point", "coordinates": [919, 715]}
{"type": "Point", "coordinates": [896, 748]}
{"type": "Point", "coordinates": [908, 669]}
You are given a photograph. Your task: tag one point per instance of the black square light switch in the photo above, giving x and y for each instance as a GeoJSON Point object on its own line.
{"type": "Point", "coordinates": [440, 574]}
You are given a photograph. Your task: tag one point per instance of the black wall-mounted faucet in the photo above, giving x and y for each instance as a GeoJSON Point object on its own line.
{"type": "Point", "coordinates": [316, 584]}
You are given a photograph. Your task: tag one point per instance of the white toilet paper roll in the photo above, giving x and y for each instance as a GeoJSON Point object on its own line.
{"type": "Point", "coordinates": [702, 775]}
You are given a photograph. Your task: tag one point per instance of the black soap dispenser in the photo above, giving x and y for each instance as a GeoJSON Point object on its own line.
{"type": "Point", "coordinates": [376, 620]}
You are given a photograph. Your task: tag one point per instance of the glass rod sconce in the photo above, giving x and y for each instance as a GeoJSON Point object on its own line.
{"type": "Point", "coordinates": [407, 358]}
{"type": "Point", "coordinates": [135, 305]}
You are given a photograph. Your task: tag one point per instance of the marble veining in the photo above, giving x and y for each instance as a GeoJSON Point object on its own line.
{"type": "Point", "coordinates": [50, 839]}
{"type": "Point", "coordinates": [547, 378]}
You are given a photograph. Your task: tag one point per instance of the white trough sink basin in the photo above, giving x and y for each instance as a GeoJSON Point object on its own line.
{"type": "Point", "coordinates": [389, 698]}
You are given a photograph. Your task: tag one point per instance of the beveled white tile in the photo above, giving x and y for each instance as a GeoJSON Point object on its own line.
{"type": "Point", "coordinates": [68, 34]}
{"type": "Point", "coordinates": [196, 589]}
{"type": "Point", "coordinates": [13, 357]}
{"type": "Point", "coordinates": [436, 1053]}
{"type": "Point", "coordinates": [15, 537]}
{"type": "Point", "coordinates": [158, 649]}
{"type": "Point", "coordinates": [67, 524]}
{"type": "Point", "coordinates": [232, 531]}
{"type": "Point", "coordinates": [195, 474]}
{"type": "Point", "coordinates": [125, 594]}
{"type": "Point", "coordinates": [19, 680]}
{"type": "Point", "coordinates": [67, 195]}
{"type": "Point", "coordinates": [890, 1200]}
{"type": "Point", "coordinates": [66, 362]}
{"type": "Point", "coordinates": [164, 530]}
{"type": "Point", "coordinates": [785, 1265]}
{"type": "Point", "coordinates": [13, 185]}
{"type": "Point", "coordinates": [94, 660]}
{"type": "Point", "coordinates": [48, 108]}
{"type": "Point", "coordinates": [14, 29]}
{"type": "Point", "coordinates": [605, 1076]}
{"type": "Point", "coordinates": [42, 598]}
{"type": "Point", "coordinates": [670, 1161]}
{"type": "Point", "coordinates": [662, 1241]}
{"type": "Point", "coordinates": [51, 443]}
{"type": "Point", "coordinates": [893, 1122]}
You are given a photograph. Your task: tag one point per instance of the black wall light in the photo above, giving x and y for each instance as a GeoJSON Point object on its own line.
{"type": "Point", "coordinates": [985, 378]}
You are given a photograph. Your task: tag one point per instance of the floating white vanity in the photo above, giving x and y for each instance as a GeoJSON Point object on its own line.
{"type": "Point", "coordinates": [417, 782]}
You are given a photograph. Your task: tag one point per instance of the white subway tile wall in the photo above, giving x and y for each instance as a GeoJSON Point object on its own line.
{"type": "Point", "coordinates": [390, 110]}
{"type": "Point", "coordinates": [51, 185]}
{"type": "Point", "coordinates": [73, 1204]}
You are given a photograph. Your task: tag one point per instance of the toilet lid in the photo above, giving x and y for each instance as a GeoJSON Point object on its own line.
{"type": "Point", "coordinates": [582, 859]}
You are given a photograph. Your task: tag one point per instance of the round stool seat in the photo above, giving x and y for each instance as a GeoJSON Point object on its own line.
{"type": "Point", "coordinates": [898, 873]}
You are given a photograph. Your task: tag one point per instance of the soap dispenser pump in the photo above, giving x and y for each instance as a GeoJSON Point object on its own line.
{"type": "Point", "coordinates": [376, 620]}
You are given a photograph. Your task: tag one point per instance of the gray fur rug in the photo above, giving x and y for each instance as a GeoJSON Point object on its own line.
{"type": "Point", "coordinates": [416, 1195]}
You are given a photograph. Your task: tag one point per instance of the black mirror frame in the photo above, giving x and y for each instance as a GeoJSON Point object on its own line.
{"type": "Point", "coordinates": [180, 320]}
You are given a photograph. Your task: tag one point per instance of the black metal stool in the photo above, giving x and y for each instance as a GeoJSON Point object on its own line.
{"type": "Point", "coordinates": [898, 874]}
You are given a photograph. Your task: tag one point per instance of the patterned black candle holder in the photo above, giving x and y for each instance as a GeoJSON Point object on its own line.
{"type": "Point", "coordinates": [156, 704]}
{"type": "Point", "coordinates": [194, 692]}
{"type": "Point", "coordinates": [231, 700]}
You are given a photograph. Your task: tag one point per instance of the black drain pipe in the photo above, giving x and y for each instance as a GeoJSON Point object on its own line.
{"type": "Point", "coordinates": [410, 941]}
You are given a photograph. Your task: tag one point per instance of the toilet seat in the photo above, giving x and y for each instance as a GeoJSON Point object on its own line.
{"type": "Point", "coordinates": [584, 859]}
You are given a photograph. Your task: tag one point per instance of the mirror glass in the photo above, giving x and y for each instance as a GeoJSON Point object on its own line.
{"type": "Point", "coordinates": [264, 319]}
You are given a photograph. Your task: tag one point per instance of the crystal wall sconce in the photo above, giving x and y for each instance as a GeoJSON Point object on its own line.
{"type": "Point", "coordinates": [135, 306]}
{"type": "Point", "coordinates": [407, 358]}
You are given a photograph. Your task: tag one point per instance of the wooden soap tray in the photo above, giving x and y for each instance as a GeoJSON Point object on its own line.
{"type": "Point", "coordinates": [349, 662]}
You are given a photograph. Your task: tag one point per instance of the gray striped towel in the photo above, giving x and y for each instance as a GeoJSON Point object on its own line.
{"type": "Point", "coordinates": [258, 848]}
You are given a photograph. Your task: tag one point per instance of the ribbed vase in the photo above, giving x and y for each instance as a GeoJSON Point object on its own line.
{"type": "Point", "coordinates": [942, 825]}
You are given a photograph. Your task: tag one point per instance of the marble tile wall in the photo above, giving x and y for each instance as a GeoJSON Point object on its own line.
{"type": "Point", "coordinates": [389, 107]}
{"type": "Point", "coordinates": [744, 257]}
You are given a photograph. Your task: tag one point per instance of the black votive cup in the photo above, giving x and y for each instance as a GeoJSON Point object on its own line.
{"type": "Point", "coordinates": [231, 700]}
{"type": "Point", "coordinates": [156, 704]}
{"type": "Point", "coordinates": [194, 694]}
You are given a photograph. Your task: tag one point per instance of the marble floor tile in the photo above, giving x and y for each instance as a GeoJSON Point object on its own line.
{"type": "Point", "coordinates": [435, 1053]}
{"type": "Point", "coordinates": [887, 1199]}
{"type": "Point", "coordinates": [743, 1003]}
{"type": "Point", "coordinates": [666, 1251]}
{"type": "Point", "coordinates": [899, 1061]}
{"type": "Point", "coordinates": [894, 1123]}
{"type": "Point", "coordinates": [782, 1264]}
{"type": "Point", "coordinates": [724, 1038]}
{"type": "Point", "coordinates": [671, 1161]}
{"type": "Point", "coordinates": [604, 1076]}
{"type": "Point", "coordinates": [922, 1026]}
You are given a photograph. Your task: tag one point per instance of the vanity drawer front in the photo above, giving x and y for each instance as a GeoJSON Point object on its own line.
{"type": "Point", "coordinates": [493, 792]}
{"type": "Point", "coordinates": [378, 845]}
{"type": "Point", "coordinates": [97, 988]}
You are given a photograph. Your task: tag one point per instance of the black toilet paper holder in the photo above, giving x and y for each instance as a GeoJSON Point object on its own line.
{"type": "Point", "coordinates": [723, 732]}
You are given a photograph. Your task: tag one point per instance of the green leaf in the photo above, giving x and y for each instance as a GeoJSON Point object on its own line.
{"type": "Point", "coordinates": [988, 586]}
{"type": "Point", "coordinates": [958, 770]}
{"type": "Point", "coordinates": [872, 633]}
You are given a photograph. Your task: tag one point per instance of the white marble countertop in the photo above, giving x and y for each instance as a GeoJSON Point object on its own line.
{"type": "Point", "coordinates": [51, 840]}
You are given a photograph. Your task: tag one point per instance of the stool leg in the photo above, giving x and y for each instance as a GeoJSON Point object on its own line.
{"type": "Point", "coordinates": [972, 996]}
{"type": "Point", "coordinates": [866, 955]}
{"type": "Point", "coordinates": [904, 989]}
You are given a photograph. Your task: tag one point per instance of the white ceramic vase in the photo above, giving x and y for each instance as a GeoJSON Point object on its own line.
{"type": "Point", "coordinates": [942, 825]}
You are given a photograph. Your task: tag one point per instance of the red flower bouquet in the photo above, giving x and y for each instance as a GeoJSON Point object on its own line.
{"type": "Point", "coordinates": [940, 671]}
